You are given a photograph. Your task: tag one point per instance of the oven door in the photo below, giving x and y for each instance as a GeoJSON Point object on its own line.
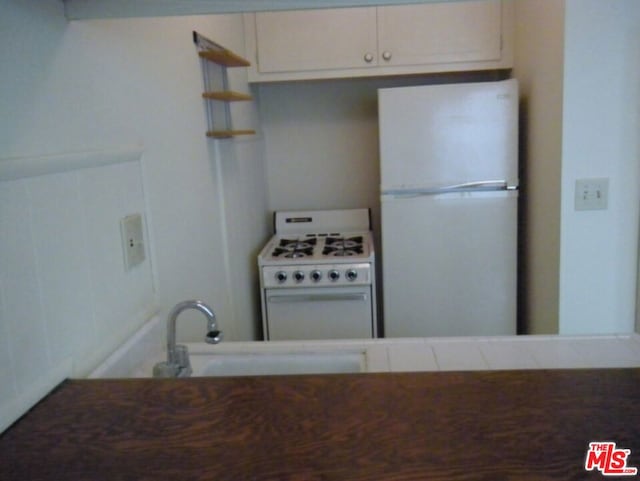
{"type": "Point", "coordinates": [319, 313]}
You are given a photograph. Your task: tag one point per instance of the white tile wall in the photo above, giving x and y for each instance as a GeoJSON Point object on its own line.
{"type": "Point", "coordinates": [8, 386]}
{"type": "Point", "coordinates": [22, 313]}
{"type": "Point", "coordinates": [62, 257]}
{"type": "Point", "coordinates": [66, 300]}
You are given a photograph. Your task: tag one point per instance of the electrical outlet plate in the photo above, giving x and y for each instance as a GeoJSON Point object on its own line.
{"type": "Point", "coordinates": [131, 229]}
{"type": "Point", "coordinates": [592, 194]}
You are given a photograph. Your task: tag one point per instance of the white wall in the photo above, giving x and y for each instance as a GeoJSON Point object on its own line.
{"type": "Point", "coordinates": [539, 66]}
{"type": "Point", "coordinates": [321, 144]}
{"type": "Point", "coordinates": [598, 258]}
{"type": "Point", "coordinates": [108, 85]}
{"type": "Point", "coordinates": [65, 297]}
{"type": "Point", "coordinates": [241, 180]}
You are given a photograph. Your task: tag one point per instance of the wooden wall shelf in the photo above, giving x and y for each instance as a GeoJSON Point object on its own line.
{"type": "Point", "coordinates": [227, 96]}
{"type": "Point", "coordinates": [215, 59]}
{"type": "Point", "coordinates": [224, 57]}
{"type": "Point", "coordinates": [226, 134]}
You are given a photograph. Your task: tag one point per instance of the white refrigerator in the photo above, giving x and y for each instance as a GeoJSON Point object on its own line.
{"type": "Point", "coordinates": [449, 199]}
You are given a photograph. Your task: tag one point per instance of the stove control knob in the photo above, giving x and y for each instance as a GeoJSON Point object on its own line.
{"type": "Point", "coordinates": [298, 276]}
{"type": "Point", "coordinates": [351, 274]}
{"type": "Point", "coordinates": [281, 276]}
{"type": "Point", "coordinates": [316, 275]}
{"type": "Point", "coordinates": [334, 275]}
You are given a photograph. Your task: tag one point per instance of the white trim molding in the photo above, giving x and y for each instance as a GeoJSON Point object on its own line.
{"type": "Point", "coordinates": [21, 167]}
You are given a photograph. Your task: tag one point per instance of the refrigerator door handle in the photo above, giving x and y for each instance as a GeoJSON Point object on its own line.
{"type": "Point", "coordinates": [475, 186]}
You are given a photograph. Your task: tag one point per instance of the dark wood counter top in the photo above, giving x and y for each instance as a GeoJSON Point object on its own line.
{"type": "Point", "coordinates": [500, 425]}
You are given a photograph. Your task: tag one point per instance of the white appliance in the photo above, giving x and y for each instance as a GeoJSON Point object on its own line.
{"type": "Point", "coordinates": [317, 276]}
{"type": "Point", "coordinates": [449, 187]}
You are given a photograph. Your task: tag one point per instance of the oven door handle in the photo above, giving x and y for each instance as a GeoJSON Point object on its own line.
{"type": "Point", "coordinates": [358, 296]}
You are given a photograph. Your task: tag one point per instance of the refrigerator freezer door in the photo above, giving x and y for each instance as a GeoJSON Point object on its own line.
{"type": "Point", "coordinates": [449, 264]}
{"type": "Point", "coordinates": [438, 135]}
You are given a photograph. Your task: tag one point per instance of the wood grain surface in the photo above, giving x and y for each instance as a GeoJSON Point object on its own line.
{"type": "Point", "coordinates": [509, 425]}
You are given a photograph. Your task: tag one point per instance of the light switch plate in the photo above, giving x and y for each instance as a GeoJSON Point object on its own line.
{"type": "Point", "coordinates": [592, 194]}
{"type": "Point", "coordinates": [131, 228]}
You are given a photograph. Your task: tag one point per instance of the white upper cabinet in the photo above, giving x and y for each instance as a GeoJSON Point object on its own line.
{"type": "Point", "coordinates": [373, 41]}
{"type": "Point", "coordinates": [440, 33]}
{"type": "Point", "coordinates": [315, 39]}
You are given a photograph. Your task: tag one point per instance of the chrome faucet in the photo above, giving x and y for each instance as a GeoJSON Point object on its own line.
{"type": "Point", "coordinates": [177, 363]}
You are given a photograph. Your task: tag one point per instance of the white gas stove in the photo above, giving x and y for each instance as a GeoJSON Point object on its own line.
{"type": "Point", "coordinates": [317, 276]}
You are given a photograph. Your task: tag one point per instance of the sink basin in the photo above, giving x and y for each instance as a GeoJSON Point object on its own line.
{"type": "Point", "coordinates": [277, 364]}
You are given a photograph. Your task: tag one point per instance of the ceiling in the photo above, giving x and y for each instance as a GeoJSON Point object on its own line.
{"type": "Point", "coordinates": [94, 9]}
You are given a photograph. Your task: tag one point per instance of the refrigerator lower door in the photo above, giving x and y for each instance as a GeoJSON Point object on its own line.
{"type": "Point", "coordinates": [449, 264]}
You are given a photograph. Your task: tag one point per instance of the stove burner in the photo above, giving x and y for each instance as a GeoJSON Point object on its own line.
{"type": "Point", "coordinates": [299, 253]}
{"type": "Point", "coordinates": [331, 252]}
{"type": "Point", "coordinates": [297, 244]}
{"type": "Point", "coordinates": [294, 248]}
{"type": "Point", "coordinates": [344, 243]}
{"type": "Point", "coordinates": [343, 247]}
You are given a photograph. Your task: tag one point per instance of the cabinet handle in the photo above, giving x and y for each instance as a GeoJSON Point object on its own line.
{"type": "Point", "coordinates": [356, 296]}
{"type": "Point", "coordinates": [368, 57]}
{"type": "Point", "coordinates": [386, 55]}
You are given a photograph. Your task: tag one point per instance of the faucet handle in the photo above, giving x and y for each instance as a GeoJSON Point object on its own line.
{"type": "Point", "coordinates": [178, 366]}
{"type": "Point", "coordinates": [165, 369]}
{"type": "Point", "coordinates": [182, 357]}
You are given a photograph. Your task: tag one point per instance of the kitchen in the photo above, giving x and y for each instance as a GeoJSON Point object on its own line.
{"type": "Point", "coordinates": [205, 200]}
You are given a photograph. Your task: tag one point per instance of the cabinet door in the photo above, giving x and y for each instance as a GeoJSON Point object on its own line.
{"type": "Point", "coordinates": [440, 33]}
{"type": "Point", "coordinates": [315, 39]}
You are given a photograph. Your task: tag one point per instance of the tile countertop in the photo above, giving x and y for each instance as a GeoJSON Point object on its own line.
{"type": "Point", "coordinates": [464, 354]}
{"type": "Point", "coordinates": [527, 352]}
{"type": "Point", "coordinates": [137, 356]}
